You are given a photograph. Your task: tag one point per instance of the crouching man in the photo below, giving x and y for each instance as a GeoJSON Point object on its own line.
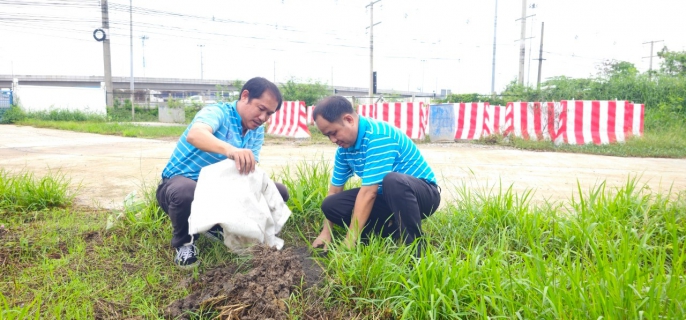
{"type": "Point", "coordinates": [220, 131]}
{"type": "Point", "coordinates": [398, 187]}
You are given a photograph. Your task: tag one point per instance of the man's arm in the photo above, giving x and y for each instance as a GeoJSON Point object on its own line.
{"type": "Point", "coordinates": [201, 136]}
{"type": "Point", "coordinates": [363, 208]}
{"type": "Point", "coordinates": [325, 236]}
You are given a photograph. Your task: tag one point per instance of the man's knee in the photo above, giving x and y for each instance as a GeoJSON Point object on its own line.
{"type": "Point", "coordinates": [328, 206]}
{"type": "Point", "coordinates": [283, 191]}
{"type": "Point", "coordinates": [392, 181]}
{"type": "Point", "coordinates": [181, 192]}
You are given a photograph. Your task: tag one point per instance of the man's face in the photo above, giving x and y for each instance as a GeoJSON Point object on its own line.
{"type": "Point", "coordinates": [342, 132]}
{"type": "Point", "coordinates": [256, 111]}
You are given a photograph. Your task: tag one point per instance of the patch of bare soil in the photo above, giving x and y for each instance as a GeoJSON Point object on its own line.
{"type": "Point", "coordinates": [258, 294]}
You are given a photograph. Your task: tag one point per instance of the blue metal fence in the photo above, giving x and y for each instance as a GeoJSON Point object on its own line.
{"type": "Point", "coordinates": [5, 101]}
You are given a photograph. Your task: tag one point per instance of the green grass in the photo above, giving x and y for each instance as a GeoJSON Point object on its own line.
{"type": "Point", "coordinates": [615, 253]}
{"type": "Point", "coordinates": [108, 128]}
{"type": "Point", "coordinates": [24, 191]}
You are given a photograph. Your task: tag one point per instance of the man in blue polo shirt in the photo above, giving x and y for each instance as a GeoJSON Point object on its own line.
{"type": "Point", "coordinates": [220, 131]}
{"type": "Point", "coordinates": [398, 187]}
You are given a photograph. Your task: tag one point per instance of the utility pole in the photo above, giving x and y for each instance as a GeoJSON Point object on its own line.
{"type": "Point", "coordinates": [131, 45]}
{"type": "Point", "coordinates": [540, 59]}
{"type": "Point", "coordinates": [371, 47]}
{"type": "Point", "coordinates": [201, 65]}
{"type": "Point", "coordinates": [650, 71]}
{"type": "Point", "coordinates": [107, 59]}
{"type": "Point", "coordinates": [522, 45]}
{"type": "Point", "coordinates": [143, 38]}
{"type": "Point", "coordinates": [495, 28]}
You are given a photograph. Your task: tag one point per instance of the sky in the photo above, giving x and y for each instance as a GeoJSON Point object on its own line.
{"type": "Point", "coordinates": [424, 46]}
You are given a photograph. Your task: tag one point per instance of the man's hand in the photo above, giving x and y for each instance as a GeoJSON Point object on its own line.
{"type": "Point", "coordinates": [322, 242]}
{"type": "Point", "coordinates": [363, 208]}
{"type": "Point", "coordinates": [244, 158]}
{"type": "Point", "coordinates": [324, 237]}
{"type": "Point", "coordinates": [201, 136]}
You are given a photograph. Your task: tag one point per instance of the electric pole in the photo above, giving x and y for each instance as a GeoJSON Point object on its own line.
{"type": "Point", "coordinates": [371, 47]}
{"type": "Point", "coordinates": [540, 59]}
{"type": "Point", "coordinates": [143, 38]}
{"type": "Point", "coordinates": [650, 71]}
{"type": "Point", "coordinates": [522, 45]}
{"type": "Point", "coordinates": [201, 65]}
{"type": "Point", "coordinates": [109, 91]}
{"type": "Point", "coordinates": [131, 45]}
{"type": "Point", "coordinates": [495, 29]}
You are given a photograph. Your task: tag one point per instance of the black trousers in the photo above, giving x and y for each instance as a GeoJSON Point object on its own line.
{"type": "Point", "coordinates": [398, 212]}
{"type": "Point", "coordinates": [175, 196]}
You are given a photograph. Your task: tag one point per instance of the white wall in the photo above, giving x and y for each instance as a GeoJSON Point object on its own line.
{"type": "Point", "coordinates": [43, 98]}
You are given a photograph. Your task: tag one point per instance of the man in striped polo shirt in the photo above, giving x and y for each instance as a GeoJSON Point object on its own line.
{"type": "Point", "coordinates": [398, 187]}
{"type": "Point", "coordinates": [220, 131]}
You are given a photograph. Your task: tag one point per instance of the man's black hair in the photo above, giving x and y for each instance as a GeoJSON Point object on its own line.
{"type": "Point", "coordinates": [258, 85]}
{"type": "Point", "coordinates": [332, 108]}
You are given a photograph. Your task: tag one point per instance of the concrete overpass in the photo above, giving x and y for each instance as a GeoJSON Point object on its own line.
{"type": "Point", "coordinates": [182, 87]}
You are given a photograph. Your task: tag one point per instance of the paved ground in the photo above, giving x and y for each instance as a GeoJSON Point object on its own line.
{"type": "Point", "coordinates": [110, 167]}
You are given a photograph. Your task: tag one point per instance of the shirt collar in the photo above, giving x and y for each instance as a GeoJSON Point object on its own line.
{"type": "Point", "coordinates": [362, 125]}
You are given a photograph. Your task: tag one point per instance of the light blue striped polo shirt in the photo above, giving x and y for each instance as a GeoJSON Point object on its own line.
{"type": "Point", "coordinates": [380, 149]}
{"type": "Point", "coordinates": [187, 160]}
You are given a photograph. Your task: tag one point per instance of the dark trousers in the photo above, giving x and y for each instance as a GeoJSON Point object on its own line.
{"type": "Point", "coordinates": [175, 196]}
{"type": "Point", "coordinates": [398, 212]}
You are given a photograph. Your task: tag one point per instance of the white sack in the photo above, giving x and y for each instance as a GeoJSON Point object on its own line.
{"type": "Point", "coordinates": [248, 207]}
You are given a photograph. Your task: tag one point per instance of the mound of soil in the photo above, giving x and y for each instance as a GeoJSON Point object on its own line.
{"type": "Point", "coordinates": [258, 294]}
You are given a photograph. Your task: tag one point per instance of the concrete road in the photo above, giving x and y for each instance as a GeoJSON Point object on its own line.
{"type": "Point", "coordinates": [109, 167]}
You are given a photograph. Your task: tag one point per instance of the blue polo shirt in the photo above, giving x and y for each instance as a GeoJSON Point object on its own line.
{"type": "Point", "coordinates": [380, 149]}
{"type": "Point", "coordinates": [187, 160]}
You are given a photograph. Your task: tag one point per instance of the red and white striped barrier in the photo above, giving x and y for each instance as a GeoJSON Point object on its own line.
{"type": "Point", "coordinates": [406, 116]}
{"type": "Point", "coordinates": [495, 120]}
{"type": "Point", "coordinates": [599, 122]}
{"type": "Point", "coordinates": [290, 120]}
{"type": "Point", "coordinates": [470, 120]}
{"type": "Point", "coordinates": [367, 110]}
{"type": "Point", "coordinates": [310, 110]}
{"type": "Point", "coordinates": [409, 117]}
{"type": "Point", "coordinates": [534, 120]}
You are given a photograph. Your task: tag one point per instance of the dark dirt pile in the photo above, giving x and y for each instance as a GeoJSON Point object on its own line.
{"type": "Point", "coordinates": [258, 294]}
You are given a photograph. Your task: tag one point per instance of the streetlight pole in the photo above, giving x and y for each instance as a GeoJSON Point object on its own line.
{"type": "Point", "coordinates": [143, 38]}
{"type": "Point", "coordinates": [131, 45]}
{"type": "Point", "coordinates": [201, 65]}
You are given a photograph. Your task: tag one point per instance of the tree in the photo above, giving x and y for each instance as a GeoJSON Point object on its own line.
{"type": "Point", "coordinates": [310, 92]}
{"type": "Point", "coordinates": [609, 69]}
{"type": "Point", "coordinates": [673, 62]}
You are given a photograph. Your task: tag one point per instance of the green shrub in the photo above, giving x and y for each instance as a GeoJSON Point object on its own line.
{"type": "Point", "coordinates": [12, 115]}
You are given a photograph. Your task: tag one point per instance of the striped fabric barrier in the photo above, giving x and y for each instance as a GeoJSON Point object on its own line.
{"type": "Point", "coordinates": [599, 122]}
{"type": "Point", "coordinates": [409, 117]}
{"type": "Point", "coordinates": [290, 120]}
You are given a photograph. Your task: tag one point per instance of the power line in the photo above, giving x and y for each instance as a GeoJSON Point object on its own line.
{"type": "Point", "coordinates": [650, 71]}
